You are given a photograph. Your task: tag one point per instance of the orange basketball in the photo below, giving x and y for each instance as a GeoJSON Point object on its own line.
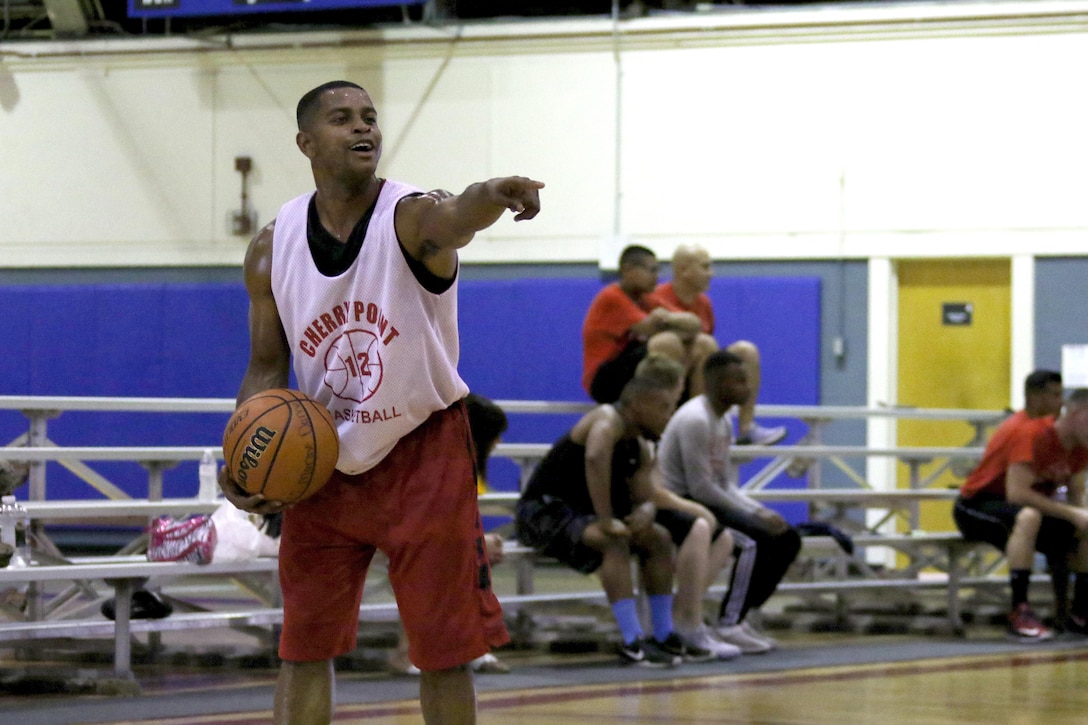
{"type": "Point", "coordinates": [282, 444]}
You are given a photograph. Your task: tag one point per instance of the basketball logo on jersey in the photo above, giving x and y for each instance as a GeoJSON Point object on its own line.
{"type": "Point", "coordinates": [353, 366]}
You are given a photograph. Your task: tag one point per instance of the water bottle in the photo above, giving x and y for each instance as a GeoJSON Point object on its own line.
{"type": "Point", "coordinates": [14, 524]}
{"type": "Point", "coordinates": [209, 476]}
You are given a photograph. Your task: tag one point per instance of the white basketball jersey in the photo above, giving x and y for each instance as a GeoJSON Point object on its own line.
{"type": "Point", "coordinates": [371, 344]}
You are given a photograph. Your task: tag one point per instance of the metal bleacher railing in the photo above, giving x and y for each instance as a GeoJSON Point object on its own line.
{"type": "Point", "coordinates": [958, 564]}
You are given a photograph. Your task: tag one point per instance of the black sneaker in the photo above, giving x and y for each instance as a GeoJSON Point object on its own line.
{"type": "Point", "coordinates": [692, 649]}
{"type": "Point", "coordinates": [647, 653]}
{"type": "Point", "coordinates": [1072, 624]}
{"type": "Point", "coordinates": [145, 605]}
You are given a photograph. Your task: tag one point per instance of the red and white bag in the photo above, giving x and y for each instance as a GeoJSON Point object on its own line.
{"type": "Point", "coordinates": [192, 539]}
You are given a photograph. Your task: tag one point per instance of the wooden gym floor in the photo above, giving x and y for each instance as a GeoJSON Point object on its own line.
{"type": "Point", "coordinates": [813, 679]}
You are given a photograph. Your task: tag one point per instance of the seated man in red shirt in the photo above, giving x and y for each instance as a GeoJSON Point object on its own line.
{"type": "Point", "coordinates": [686, 292]}
{"type": "Point", "coordinates": [1011, 501]}
{"type": "Point", "coordinates": [625, 322]}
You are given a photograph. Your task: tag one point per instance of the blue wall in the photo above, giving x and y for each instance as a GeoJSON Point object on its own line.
{"type": "Point", "coordinates": [1059, 317]}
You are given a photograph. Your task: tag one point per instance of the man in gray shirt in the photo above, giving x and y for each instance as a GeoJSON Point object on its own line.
{"type": "Point", "coordinates": [694, 458]}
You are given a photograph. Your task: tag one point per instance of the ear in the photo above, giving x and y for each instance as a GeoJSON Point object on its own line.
{"type": "Point", "coordinates": [305, 144]}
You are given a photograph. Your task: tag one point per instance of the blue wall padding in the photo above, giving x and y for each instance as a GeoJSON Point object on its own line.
{"type": "Point", "coordinates": [176, 340]}
{"type": "Point", "coordinates": [520, 340]}
{"type": "Point", "coordinates": [781, 315]}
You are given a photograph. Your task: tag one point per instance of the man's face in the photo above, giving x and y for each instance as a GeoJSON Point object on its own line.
{"type": "Point", "coordinates": [641, 274]}
{"type": "Point", "coordinates": [654, 408]}
{"type": "Point", "coordinates": [1049, 400]}
{"type": "Point", "coordinates": [732, 388]}
{"type": "Point", "coordinates": [696, 271]}
{"type": "Point", "coordinates": [343, 139]}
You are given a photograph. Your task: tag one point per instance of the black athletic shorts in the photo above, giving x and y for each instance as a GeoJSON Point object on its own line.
{"type": "Point", "coordinates": [555, 529]}
{"type": "Point", "coordinates": [990, 518]}
{"type": "Point", "coordinates": [613, 374]}
{"type": "Point", "coordinates": [679, 523]}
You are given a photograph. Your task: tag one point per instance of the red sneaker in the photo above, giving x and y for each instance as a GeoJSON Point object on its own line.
{"type": "Point", "coordinates": [1024, 625]}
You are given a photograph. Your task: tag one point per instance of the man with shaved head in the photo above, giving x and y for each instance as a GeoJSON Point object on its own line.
{"type": "Point", "coordinates": [686, 292]}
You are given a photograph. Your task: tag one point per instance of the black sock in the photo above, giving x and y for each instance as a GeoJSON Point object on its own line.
{"type": "Point", "coordinates": [1059, 580]}
{"type": "Point", "coordinates": [1019, 579]}
{"type": "Point", "coordinates": [1080, 595]}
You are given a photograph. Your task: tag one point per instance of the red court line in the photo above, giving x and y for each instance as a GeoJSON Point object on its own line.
{"type": "Point", "coordinates": [740, 681]}
{"type": "Point", "coordinates": [553, 696]}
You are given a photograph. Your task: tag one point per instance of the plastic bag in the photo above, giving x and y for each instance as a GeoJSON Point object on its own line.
{"type": "Point", "coordinates": [192, 539]}
{"type": "Point", "coordinates": [238, 538]}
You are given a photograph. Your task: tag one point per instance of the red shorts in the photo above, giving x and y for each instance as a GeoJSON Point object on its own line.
{"type": "Point", "coordinates": [418, 506]}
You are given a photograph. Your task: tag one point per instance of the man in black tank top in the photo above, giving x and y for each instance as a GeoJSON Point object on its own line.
{"type": "Point", "coordinates": [590, 504]}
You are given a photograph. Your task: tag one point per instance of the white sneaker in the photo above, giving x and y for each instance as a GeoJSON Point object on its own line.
{"type": "Point", "coordinates": [490, 663]}
{"type": "Point", "coordinates": [757, 435]}
{"type": "Point", "coordinates": [703, 638]}
{"type": "Point", "coordinates": [751, 631]}
{"type": "Point", "coordinates": [749, 645]}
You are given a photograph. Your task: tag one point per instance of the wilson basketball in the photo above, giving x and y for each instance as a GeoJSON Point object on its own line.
{"type": "Point", "coordinates": [282, 444]}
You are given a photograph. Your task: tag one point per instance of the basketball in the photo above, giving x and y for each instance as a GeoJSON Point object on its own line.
{"type": "Point", "coordinates": [281, 444]}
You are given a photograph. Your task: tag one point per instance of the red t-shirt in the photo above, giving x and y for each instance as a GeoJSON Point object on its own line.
{"type": "Point", "coordinates": [605, 331]}
{"type": "Point", "coordinates": [701, 306]}
{"type": "Point", "coordinates": [1033, 441]}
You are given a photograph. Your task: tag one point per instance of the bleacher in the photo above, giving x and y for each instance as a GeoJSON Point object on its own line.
{"type": "Point", "coordinates": [920, 560]}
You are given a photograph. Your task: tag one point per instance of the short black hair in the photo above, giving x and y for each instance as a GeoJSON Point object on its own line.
{"type": "Point", "coordinates": [487, 422]}
{"type": "Point", "coordinates": [1038, 381]}
{"type": "Point", "coordinates": [719, 360]}
{"type": "Point", "coordinates": [307, 105]}
{"type": "Point", "coordinates": [633, 253]}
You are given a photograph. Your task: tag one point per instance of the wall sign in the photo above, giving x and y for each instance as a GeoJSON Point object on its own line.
{"type": "Point", "coordinates": [956, 313]}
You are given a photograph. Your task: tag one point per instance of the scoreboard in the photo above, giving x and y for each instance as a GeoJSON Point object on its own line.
{"type": "Point", "coordinates": [181, 8]}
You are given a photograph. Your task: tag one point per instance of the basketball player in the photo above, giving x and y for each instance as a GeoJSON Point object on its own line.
{"type": "Point", "coordinates": [357, 285]}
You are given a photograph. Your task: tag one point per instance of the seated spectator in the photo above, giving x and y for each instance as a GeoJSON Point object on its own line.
{"type": "Point", "coordinates": [694, 460]}
{"type": "Point", "coordinates": [1011, 500]}
{"type": "Point", "coordinates": [686, 292]}
{"type": "Point", "coordinates": [625, 322]}
{"type": "Point", "coordinates": [487, 422]}
{"type": "Point", "coordinates": [589, 503]}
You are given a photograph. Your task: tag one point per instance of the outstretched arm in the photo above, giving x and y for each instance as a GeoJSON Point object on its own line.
{"type": "Point", "coordinates": [432, 227]}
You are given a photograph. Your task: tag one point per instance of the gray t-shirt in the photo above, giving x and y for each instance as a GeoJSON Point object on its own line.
{"type": "Point", "coordinates": [694, 457]}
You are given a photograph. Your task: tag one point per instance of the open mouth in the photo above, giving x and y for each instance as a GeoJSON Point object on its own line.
{"type": "Point", "coordinates": [363, 147]}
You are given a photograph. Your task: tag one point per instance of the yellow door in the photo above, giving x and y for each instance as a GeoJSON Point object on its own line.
{"type": "Point", "coordinates": [954, 352]}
